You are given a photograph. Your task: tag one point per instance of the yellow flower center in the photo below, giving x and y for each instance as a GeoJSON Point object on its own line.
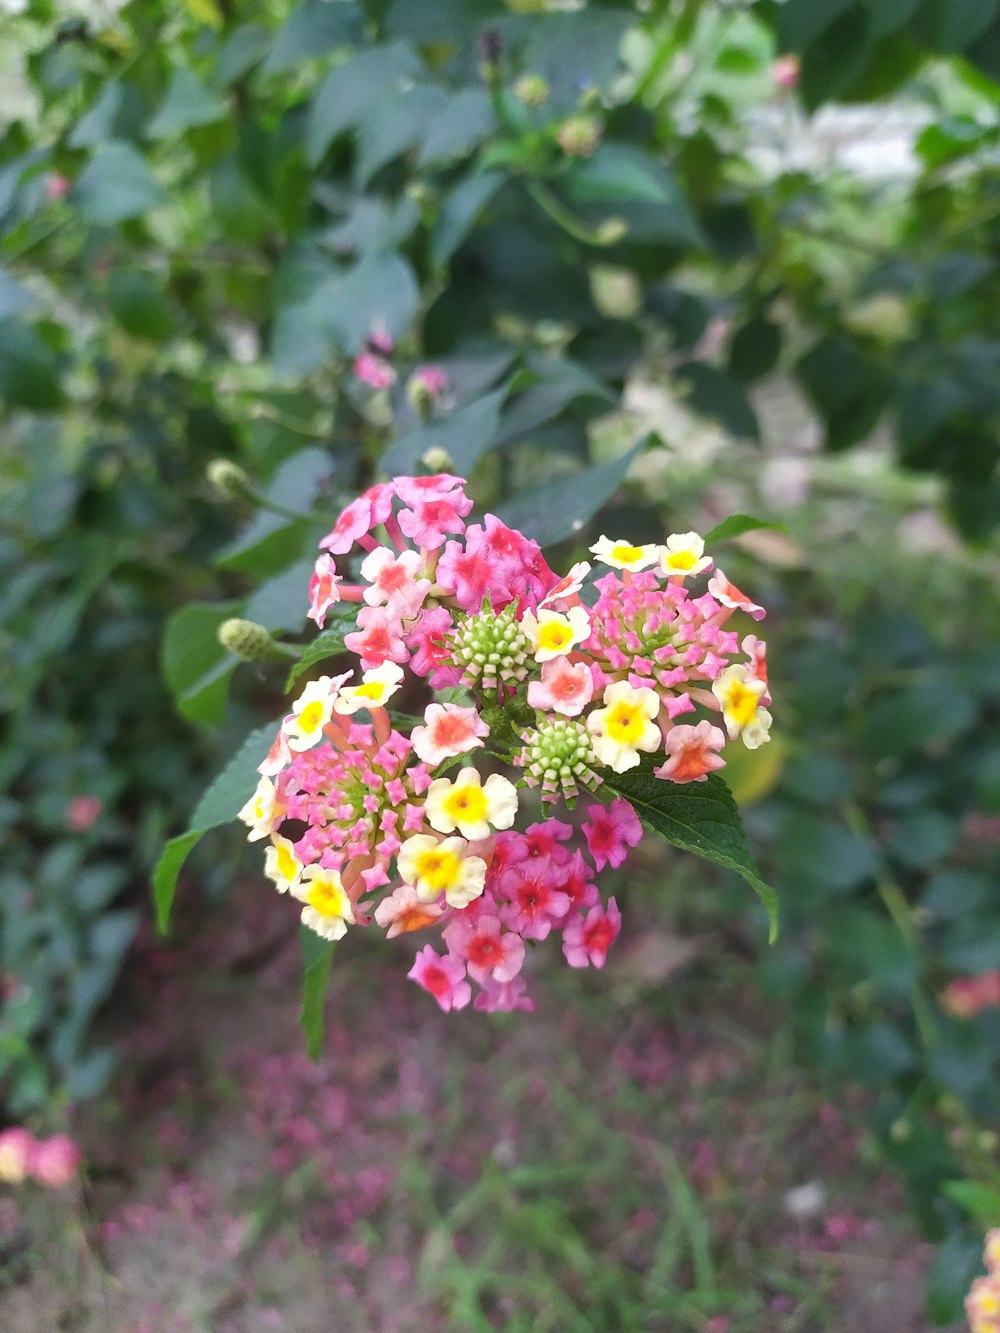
{"type": "Point", "coordinates": [373, 689]}
{"type": "Point", "coordinates": [683, 560]}
{"type": "Point", "coordinates": [439, 870]}
{"type": "Point", "coordinates": [625, 723]}
{"type": "Point", "coordinates": [626, 554]}
{"type": "Point", "coordinates": [554, 636]}
{"type": "Point", "coordinates": [327, 897]}
{"type": "Point", "coordinates": [466, 804]}
{"type": "Point", "coordinates": [311, 717]}
{"type": "Point", "coordinates": [288, 866]}
{"type": "Point", "coordinates": [258, 808]}
{"type": "Point", "coordinates": [741, 703]}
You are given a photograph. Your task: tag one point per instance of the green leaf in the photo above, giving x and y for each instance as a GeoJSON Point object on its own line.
{"type": "Point", "coordinates": [29, 375]}
{"type": "Point", "coordinates": [219, 805]}
{"type": "Point", "coordinates": [950, 1275]}
{"type": "Point", "coordinates": [354, 88]}
{"type": "Point", "coordinates": [557, 509]}
{"type": "Point", "coordinates": [244, 47]}
{"type": "Point", "coordinates": [801, 21]}
{"type": "Point", "coordinates": [755, 349]}
{"type": "Point", "coordinates": [14, 299]}
{"type": "Point", "coordinates": [188, 104]}
{"type": "Point", "coordinates": [459, 212]}
{"type": "Point", "coordinates": [330, 643]}
{"type": "Point", "coordinates": [195, 665]}
{"type": "Point", "coordinates": [465, 434]}
{"type": "Point", "coordinates": [461, 125]}
{"type": "Point", "coordinates": [139, 303]}
{"type": "Point", "coordinates": [281, 602]}
{"type": "Point", "coordinates": [712, 393]}
{"type": "Point", "coordinates": [271, 540]}
{"type": "Point", "coordinates": [311, 30]}
{"type": "Point", "coordinates": [553, 383]}
{"type": "Point", "coordinates": [736, 524]}
{"type": "Point", "coordinates": [394, 126]}
{"type": "Point", "coordinates": [317, 957]}
{"type": "Point", "coordinates": [631, 183]}
{"type": "Point", "coordinates": [981, 1202]}
{"type": "Point", "coordinates": [699, 817]}
{"type": "Point", "coordinates": [116, 184]}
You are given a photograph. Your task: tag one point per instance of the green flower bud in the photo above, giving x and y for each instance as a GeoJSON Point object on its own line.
{"type": "Point", "coordinates": [229, 479]}
{"type": "Point", "coordinates": [248, 640]}
{"type": "Point", "coordinates": [532, 90]}
{"type": "Point", "coordinates": [579, 136]}
{"type": "Point", "coordinates": [492, 649]}
{"type": "Point", "coordinates": [558, 756]}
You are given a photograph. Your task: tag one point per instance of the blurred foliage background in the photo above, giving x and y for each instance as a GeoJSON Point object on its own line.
{"type": "Point", "coordinates": [675, 259]}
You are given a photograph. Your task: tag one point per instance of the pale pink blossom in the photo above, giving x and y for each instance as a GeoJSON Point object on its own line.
{"type": "Point", "coordinates": [360, 516]}
{"type": "Point", "coordinates": [756, 650]}
{"type": "Point", "coordinates": [393, 579]}
{"type": "Point", "coordinates": [485, 947]}
{"type": "Point", "coordinates": [587, 939]}
{"type": "Point", "coordinates": [54, 1161]}
{"type": "Point", "coordinates": [612, 830]}
{"type": "Point", "coordinates": [448, 730]}
{"type": "Point", "coordinates": [467, 575]}
{"type": "Point", "coordinates": [374, 371]}
{"type": "Point", "coordinates": [785, 71]}
{"type": "Point", "coordinates": [443, 977]}
{"type": "Point", "coordinates": [83, 812]}
{"type": "Point", "coordinates": [504, 996]}
{"type": "Point", "coordinates": [729, 595]}
{"type": "Point", "coordinates": [403, 911]}
{"type": "Point", "coordinates": [416, 490]}
{"type": "Point", "coordinates": [280, 753]}
{"type": "Point", "coordinates": [565, 687]}
{"type": "Point", "coordinates": [323, 590]}
{"type": "Point", "coordinates": [431, 654]}
{"type": "Point", "coordinates": [430, 521]}
{"type": "Point", "coordinates": [569, 586]}
{"type": "Point", "coordinates": [378, 639]}
{"type": "Point", "coordinates": [692, 753]}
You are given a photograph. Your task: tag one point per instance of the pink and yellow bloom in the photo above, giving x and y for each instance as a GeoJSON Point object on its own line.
{"type": "Point", "coordinates": [625, 725]}
{"type": "Point", "coordinates": [470, 805]}
{"type": "Point", "coordinates": [565, 687]}
{"type": "Point", "coordinates": [449, 730]}
{"type": "Point", "coordinates": [552, 634]}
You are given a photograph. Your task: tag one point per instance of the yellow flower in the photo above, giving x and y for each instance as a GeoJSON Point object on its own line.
{"type": "Point", "coordinates": [377, 686]}
{"type": "Point", "coordinates": [684, 555]}
{"type": "Point", "coordinates": [554, 635]}
{"type": "Point", "coordinates": [281, 864]}
{"type": "Point", "coordinates": [470, 807]}
{"type": "Point", "coordinates": [328, 910]}
{"type": "Point", "coordinates": [625, 725]}
{"type": "Point", "coordinates": [435, 866]}
{"type": "Point", "coordinates": [739, 694]}
{"type": "Point", "coordinates": [311, 711]}
{"type": "Point", "coordinates": [622, 555]}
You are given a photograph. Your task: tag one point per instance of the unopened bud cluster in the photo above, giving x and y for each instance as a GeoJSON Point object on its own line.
{"type": "Point", "coordinates": [491, 648]}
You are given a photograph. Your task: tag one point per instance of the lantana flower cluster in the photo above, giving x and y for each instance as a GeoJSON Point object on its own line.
{"type": "Point", "coordinates": [463, 818]}
{"type": "Point", "coordinates": [982, 1305]}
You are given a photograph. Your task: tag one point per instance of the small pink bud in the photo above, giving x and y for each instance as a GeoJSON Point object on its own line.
{"type": "Point", "coordinates": [83, 812]}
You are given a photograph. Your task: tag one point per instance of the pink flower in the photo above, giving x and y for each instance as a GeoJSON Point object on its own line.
{"type": "Point", "coordinates": [966, 996]}
{"type": "Point", "coordinates": [449, 730]}
{"type": "Point", "coordinates": [691, 753]}
{"type": "Point", "coordinates": [785, 71]}
{"type": "Point", "coordinates": [402, 911]}
{"type": "Point", "coordinates": [379, 638]}
{"type": "Point", "coordinates": [358, 519]}
{"type": "Point", "coordinates": [487, 950]}
{"type": "Point", "coordinates": [587, 939]}
{"type": "Point", "coordinates": [83, 812]}
{"type": "Point", "coordinates": [467, 575]}
{"type": "Point", "coordinates": [323, 590]}
{"type": "Point", "coordinates": [415, 490]}
{"type": "Point", "coordinates": [729, 595]}
{"type": "Point", "coordinates": [374, 371]}
{"type": "Point", "coordinates": [535, 904]}
{"type": "Point", "coordinates": [16, 1149]}
{"type": "Point", "coordinates": [431, 656]}
{"type": "Point", "coordinates": [54, 1161]}
{"type": "Point", "coordinates": [612, 831]}
{"type": "Point", "coordinates": [504, 996]}
{"type": "Point", "coordinates": [756, 650]}
{"type": "Point", "coordinates": [394, 581]}
{"type": "Point", "coordinates": [565, 687]}
{"type": "Point", "coordinates": [380, 340]}
{"type": "Point", "coordinates": [430, 520]}
{"type": "Point", "coordinates": [444, 978]}
{"type": "Point", "coordinates": [280, 753]}
{"type": "Point", "coordinates": [577, 885]}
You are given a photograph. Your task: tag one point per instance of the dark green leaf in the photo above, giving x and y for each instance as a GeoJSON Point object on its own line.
{"type": "Point", "coordinates": [465, 434]}
{"type": "Point", "coordinates": [330, 643]}
{"type": "Point", "coordinates": [459, 212]}
{"type": "Point", "coordinates": [462, 123]}
{"type": "Point", "coordinates": [281, 603]}
{"type": "Point", "coordinates": [14, 299]}
{"type": "Point", "coordinates": [116, 184]}
{"type": "Point", "coordinates": [755, 349]}
{"type": "Point", "coordinates": [139, 303]}
{"type": "Point", "coordinates": [219, 805]}
{"type": "Point", "coordinates": [981, 1202]}
{"type": "Point", "coordinates": [619, 175]}
{"type": "Point", "coordinates": [243, 48]}
{"type": "Point", "coordinates": [801, 21]}
{"type": "Point", "coordinates": [353, 89]}
{"type": "Point", "coordinates": [950, 1275]}
{"type": "Point", "coordinates": [188, 103]}
{"type": "Point", "coordinates": [317, 956]}
{"type": "Point", "coordinates": [396, 124]}
{"type": "Point", "coordinates": [195, 665]}
{"type": "Point", "coordinates": [263, 546]}
{"type": "Point", "coordinates": [311, 30]}
{"type": "Point", "coordinates": [735, 526]}
{"type": "Point", "coordinates": [699, 817]}
{"type": "Point", "coordinates": [712, 393]}
{"type": "Point", "coordinates": [29, 376]}
{"type": "Point", "coordinates": [557, 509]}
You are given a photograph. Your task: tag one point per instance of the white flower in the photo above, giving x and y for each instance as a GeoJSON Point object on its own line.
{"type": "Point", "coordinates": [554, 635]}
{"type": "Point", "coordinates": [684, 555]}
{"type": "Point", "coordinates": [377, 685]}
{"type": "Point", "coordinates": [625, 725]}
{"type": "Point", "coordinates": [262, 811]}
{"type": "Point", "coordinates": [328, 910]}
{"type": "Point", "coordinates": [435, 866]}
{"type": "Point", "coordinates": [281, 864]}
{"type": "Point", "coordinates": [311, 711]}
{"type": "Point", "coordinates": [469, 805]}
{"type": "Point", "coordinates": [739, 693]}
{"type": "Point", "coordinates": [623, 555]}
